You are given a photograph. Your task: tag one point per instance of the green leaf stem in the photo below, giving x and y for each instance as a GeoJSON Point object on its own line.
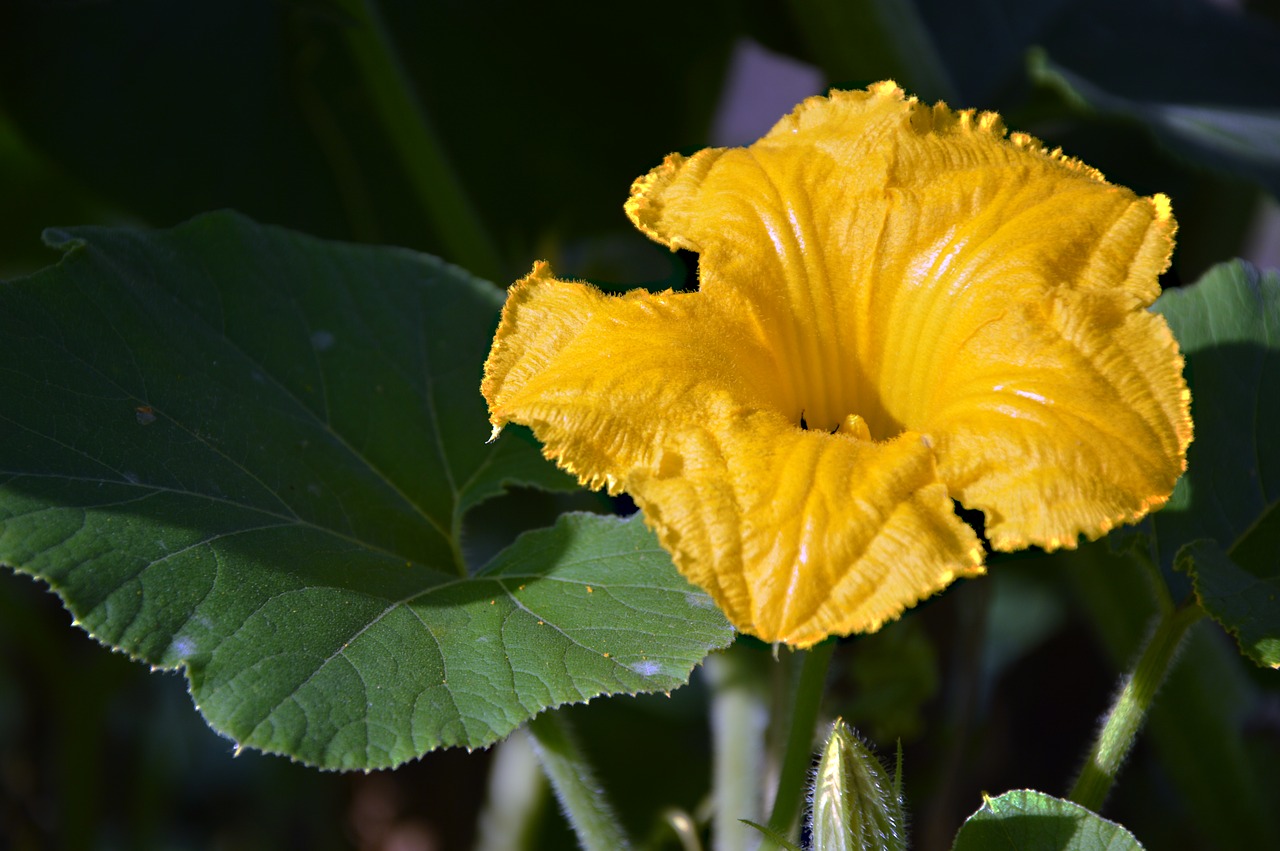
{"type": "Point", "coordinates": [739, 716]}
{"type": "Point", "coordinates": [1129, 710]}
{"type": "Point", "coordinates": [581, 795]}
{"type": "Point", "coordinates": [799, 747]}
{"type": "Point", "coordinates": [420, 149]}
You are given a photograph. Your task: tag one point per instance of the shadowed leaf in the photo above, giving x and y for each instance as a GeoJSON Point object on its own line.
{"type": "Point", "coordinates": [248, 454]}
{"type": "Point", "coordinates": [1025, 820]}
{"type": "Point", "coordinates": [1228, 325]}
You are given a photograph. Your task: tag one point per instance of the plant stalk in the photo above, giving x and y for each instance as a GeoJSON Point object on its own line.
{"type": "Point", "coordinates": [739, 719]}
{"type": "Point", "coordinates": [794, 772]}
{"type": "Point", "coordinates": [1129, 711]}
{"type": "Point", "coordinates": [581, 795]}
{"type": "Point", "coordinates": [515, 799]}
{"type": "Point", "coordinates": [454, 219]}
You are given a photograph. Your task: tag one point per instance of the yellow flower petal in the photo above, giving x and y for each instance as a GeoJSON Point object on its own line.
{"type": "Point", "coordinates": [606, 381]}
{"type": "Point", "coordinates": [796, 534]}
{"type": "Point", "coordinates": [922, 270]}
{"type": "Point", "coordinates": [1063, 417]}
{"type": "Point", "coordinates": [801, 534]}
{"type": "Point", "coordinates": [948, 313]}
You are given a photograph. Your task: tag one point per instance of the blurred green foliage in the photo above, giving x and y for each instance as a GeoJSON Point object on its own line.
{"type": "Point", "coordinates": [152, 112]}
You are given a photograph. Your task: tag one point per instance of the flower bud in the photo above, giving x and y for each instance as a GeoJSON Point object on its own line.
{"type": "Point", "coordinates": [855, 806]}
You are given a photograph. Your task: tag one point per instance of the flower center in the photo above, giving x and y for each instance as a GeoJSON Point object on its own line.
{"type": "Point", "coordinates": [852, 426]}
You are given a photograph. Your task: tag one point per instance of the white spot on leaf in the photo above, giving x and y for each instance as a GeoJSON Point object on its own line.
{"type": "Point", "coordinates": [646, 668]}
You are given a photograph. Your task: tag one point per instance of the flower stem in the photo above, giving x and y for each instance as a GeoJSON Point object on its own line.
{"type": "Point", "coordinates": [799, 753]}
{"type": "Point", "coordinates": [580, 794]}
{"type": "Point", "coordinates": [739, 718]}
{"type": "Point", "coordinates": [455, 220]}
{"type": "Point", "coordinates": [1130, 708]}
{"type": "Point", "coordinates": [1159, 587]}
{"type": "Point", "coordinates": [515, 799]}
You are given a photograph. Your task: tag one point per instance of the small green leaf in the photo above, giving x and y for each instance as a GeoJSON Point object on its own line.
{"type": "Point", "coordinates": [1025, 820]}
{"type": "Point", "coordinates": [772, 835]}
{"type": "Point", "coordinates": [855, 806]}
{"type": "Point", "coordinates": [248, 453]}
{"type": "Point", "coordinates": [1228, 325]}
{"type": "Point", "coordinates": [1248, 606]}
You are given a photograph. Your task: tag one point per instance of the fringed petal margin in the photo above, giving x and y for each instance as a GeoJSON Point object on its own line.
{"type": "Point", "coordinates": [796, 534]}
{"type": "Point", "coordinates": [921, 268]}
{"type": "Point", "coordinates": [956, 312]}
{"type": "Point", "coordinates": [605, 381]}
{"type": "Point", "coordinates": [802, 534]}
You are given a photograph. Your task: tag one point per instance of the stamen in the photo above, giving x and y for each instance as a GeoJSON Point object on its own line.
{"type": "Point", "coordinates": [854, 426]}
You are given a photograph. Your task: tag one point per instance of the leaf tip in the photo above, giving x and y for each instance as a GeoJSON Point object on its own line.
{"type": "Point", "coordinates": [60, 239]}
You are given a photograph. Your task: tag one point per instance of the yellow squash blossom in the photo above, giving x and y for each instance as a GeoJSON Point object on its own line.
{"type": "Point", "coordinates": [898, 306]}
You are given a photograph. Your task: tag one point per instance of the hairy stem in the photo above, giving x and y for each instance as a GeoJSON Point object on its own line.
{"type": "Point", "coordinates": [581, 795]}
{"type": "Point", "coordinates": [1130, 708]}
{"type": "Point", "coordinates": [794, 772]}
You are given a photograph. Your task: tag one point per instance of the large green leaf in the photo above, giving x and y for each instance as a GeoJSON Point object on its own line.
{"type": "Point", "coordinates": [1228, 325]}
{"type": "Point", "coordinates": [1033, 821]}
{"type": "Point", "coordinates": [248, 453]}
{"type": "Point", "coordinates": [1197, 52]}
{"type": "Point", "coordinates": [1241, 140]}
